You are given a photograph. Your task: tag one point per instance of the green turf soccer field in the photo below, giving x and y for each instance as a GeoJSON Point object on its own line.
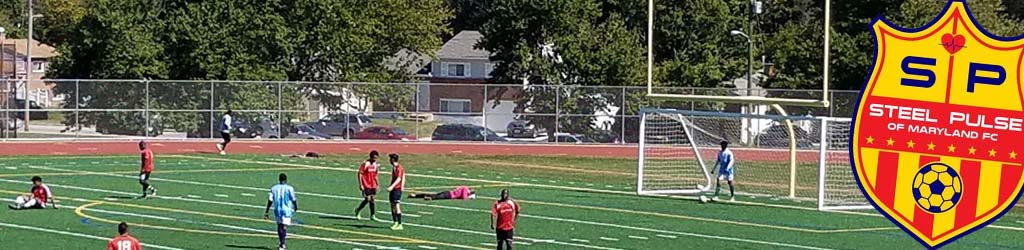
{"type": "Point", "coordinates": [216, 202]}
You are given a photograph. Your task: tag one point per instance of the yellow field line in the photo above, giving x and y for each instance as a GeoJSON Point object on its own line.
{"type": "Point", "coordinates": [80, 212]}
{"type": "Point", "coordinates": [157, 172]}
{"type": "Point", "coordinates": [451, 187]}
{"type": "Point", "coordinates": [535, 166]}
{"type": "Point", "coordinates": [397, 238]}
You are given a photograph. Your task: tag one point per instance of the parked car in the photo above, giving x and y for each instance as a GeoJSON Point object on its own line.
{"type": "Point", "coordinates": [244, 127]}
{"type": "Point", "coordinates": [384, 133]}
{"type": "Point", "coordinates": [522, 129]}
{"type": "Point", "coordinates": [604, 136]}
{"type": "Point", "coordinates": [343, 125]}
{"type": "Point", "coordinates": [570, 138]}
{"type": "Point", "coordinates": [35, 111]}
{"type": "Point", "coordinates": [464, 132]}
{"type": "Point", "coordinates": [130, 124]}
{"type": "Point", "coordinates": [303, 131]}
{"type": "Point", "coordinates": [777, 136]}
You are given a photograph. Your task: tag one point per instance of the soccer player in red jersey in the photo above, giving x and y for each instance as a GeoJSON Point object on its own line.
{"type": "Point", "coordinates": [146, 170]}
{"type": "Point", "coordinates": [123, 241]}
{"type": "Point", "coordinates": [395, 191]}
{"type": "Point", "coordinates": [504, 214]}
{"type": "Point", "coordinates": [368, 184]}
{"type": "Point", "coordinates": [39, 197]}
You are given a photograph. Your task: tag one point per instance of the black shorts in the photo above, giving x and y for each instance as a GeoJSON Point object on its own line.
{"type": "Point", "coordinates": [395, 196]}
{"type": "Point", "coordinates": [226, 136]}
{"type": "Point", "coordinates": [144, 176]}
{"type": "Point", "coordinates": [369, 191]}
{"type": "Point", "coordinates": [504, 235]}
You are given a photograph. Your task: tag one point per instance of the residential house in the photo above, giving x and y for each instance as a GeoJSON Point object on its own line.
{"type": "Point", "coordinates": [12, 56]}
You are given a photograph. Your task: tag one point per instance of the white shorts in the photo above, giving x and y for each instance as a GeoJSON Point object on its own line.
{"type": "Point", "coordinates": [726, 175]}
{"type": "Point", "coordinates": [287, 221]}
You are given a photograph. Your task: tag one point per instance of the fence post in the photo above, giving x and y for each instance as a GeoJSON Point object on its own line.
{"type": "Point", "coordinates": [78, 104]}
{"type": "Point", "coordinates": [211, 109]}
{"type": "Point", "coordinates": [146, 111]}
{"type": "Point", "coordinates": [622, 118]}
{"type": "Point", "coordinates": [558, 110]}
{"type": "Point", "coordinates": [483, 109]}
{"type": "Point", "coordinates": [280, 110]}
{"type": "Point", "coordinates": [416, 102]}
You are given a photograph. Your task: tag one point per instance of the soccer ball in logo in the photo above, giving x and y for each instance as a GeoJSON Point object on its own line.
{"type": "Point", "coordinates": [937, 187]}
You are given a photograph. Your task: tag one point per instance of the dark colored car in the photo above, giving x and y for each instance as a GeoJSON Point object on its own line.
{"type": "Point", "coordinates": [570, 138]}
{"type": "Point", "coordinates": [522, 129]}
{"type": "Point", "coordinates": [777, 136]}
{"type": "Point", "coordinates": [343, 125]}
{"type": "Point", "coordinates": [604, 136]}
{"type": "Point", "coordinates": [464, 132]}
{"type": "Point", "coordinates": [244, 127]}
{"type": "Point", "coordinates": [35, 111]}
{"type": "Point", "coordinates": [384, 133]}
{"type": "Point", "coordinates": [304, 131]}
{"type": "Point", "coordinates": [130, 124]}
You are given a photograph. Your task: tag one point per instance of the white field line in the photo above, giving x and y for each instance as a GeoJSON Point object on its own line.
{"type": "Point", "coordinates": [39, 229]}
{"type": "Point", "coordinates": [312, 213]}
{"type": "Point", "coordinates": [268, 232]}
{"type": "Point", "coordinates": [548, 186]}
{"type": "Point", "coordinates": [485, 211]}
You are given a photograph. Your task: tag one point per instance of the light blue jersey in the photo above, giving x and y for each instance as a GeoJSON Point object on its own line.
{"type": "Point", "coordinates": [726, 161]}
{"type": "Point", "coordinates": [283, 196]}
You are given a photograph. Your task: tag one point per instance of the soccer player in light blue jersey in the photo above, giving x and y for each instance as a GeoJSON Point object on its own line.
{"type": "Point", "coordinates": [726, 170]}
{"type": "Point", "coordinates": [282, 198]}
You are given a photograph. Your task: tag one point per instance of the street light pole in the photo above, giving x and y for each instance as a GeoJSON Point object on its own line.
{"type": "Point", "coordinates": [28, 61]}
{"type": "Point", "coordinates": [3, 78]}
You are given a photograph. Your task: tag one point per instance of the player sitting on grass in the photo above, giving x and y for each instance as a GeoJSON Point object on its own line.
{"type": "Point", "coordinates": [726, 171]}
{"type": "Point", "coordinates": [459, 193]}
{"type": "Point", "coordinates": [282, 198]}
{"type": "Point", "coordinates": [37, 199]}
{"type": "Point", "coordinates": [123, 241]}
{"type": "Point", "coordinates": [395, 191]}
{"type": "Point", "coordinates": [368, 185]}
{"type": "Point", "coordinates": [146, 170]}
{"type": "Point", "coordinates": [504, 214]}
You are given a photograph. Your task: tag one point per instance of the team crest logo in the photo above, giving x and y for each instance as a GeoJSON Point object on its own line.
{"type": "Point", "coordinates": [937, 138]}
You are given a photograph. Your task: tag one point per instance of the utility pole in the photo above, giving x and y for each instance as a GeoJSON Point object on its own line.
{"type": "Point", "coordinates": [28, 61]}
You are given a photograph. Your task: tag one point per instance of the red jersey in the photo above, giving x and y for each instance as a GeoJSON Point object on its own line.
{"type": "Point", "coordinates": [395, 174]}
{"type": "Point", "coordinates": [147, 160]}
{"type": "Point", "coordinates": [368, 175]}
{"type": "Point", "coordinates": [124, 242]}
{"type": "Point", "coordinates": [41, 193]}
{"type": "Point", "coordinates": [506, 212]}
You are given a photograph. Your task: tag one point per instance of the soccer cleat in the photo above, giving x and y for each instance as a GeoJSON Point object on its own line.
{"type": "Point", "coordinates": [220, 147]}
{"type": "Point", "coordinates": [715, 199]}
{"type": "Point", "coordinates": [152, 191]}
{"type": "Point", "coordinates": [732, 199]}
{"type": "Point", "coordinates": [374, 218]}
{"type": "Point", "coordinates": [359, 217]}
{"type": "Point", "coordinates": [397, 227]}
{"type": "Point", "coordinates": [12, 207]}
{"type": "Point", "coordinates": [222, 153]}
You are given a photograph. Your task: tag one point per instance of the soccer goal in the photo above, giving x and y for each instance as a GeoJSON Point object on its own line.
{"type": "Point", "coordinates": [798, 157]}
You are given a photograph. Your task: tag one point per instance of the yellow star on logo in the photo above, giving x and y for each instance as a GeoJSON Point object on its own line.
{"type": "Point", "coordinates": [992, 152]}
{"type": "Point", "coordinates": [910, 144]}
{"type": "Point", "coordinates": [871, 140]}
{"type": "Point", "coordinates": [890, 142]}
{"type": "Point", "coordinates": [1013, 154]}
{"type": "Point", "coordinates": [971, 150]}
{"type": "Point", "coordinates": [931, 146]}
{"type": "Point", "coordinates": [951, 148]}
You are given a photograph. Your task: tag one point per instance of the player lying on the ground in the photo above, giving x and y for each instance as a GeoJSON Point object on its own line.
{"type": "Point", "coordinates": [311, 155]}
{"type": "Point", "coordinates": [39, 197]}
{"type": "Point", "coordinates": [459, 193]}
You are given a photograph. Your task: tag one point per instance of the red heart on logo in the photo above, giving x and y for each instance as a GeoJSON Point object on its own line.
{"type": "Point", "coordinates": [953, 43]}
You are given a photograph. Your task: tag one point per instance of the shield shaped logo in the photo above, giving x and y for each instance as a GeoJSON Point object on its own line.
{"type": "Point", "coordinates": [937, 133]}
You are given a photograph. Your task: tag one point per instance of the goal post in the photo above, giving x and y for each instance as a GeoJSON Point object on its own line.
{"type": "Point", "coordinates": [800, 157]}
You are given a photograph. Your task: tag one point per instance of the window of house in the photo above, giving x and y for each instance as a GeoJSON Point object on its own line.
{"type": "Point", "coordinates": [38, 66]}
{"type": "Point", "coordinates": [455, 106]}
{"type": "Point", "coordinates": [487, 69]}
{"type": "Point", "coordinates": [456, 69]}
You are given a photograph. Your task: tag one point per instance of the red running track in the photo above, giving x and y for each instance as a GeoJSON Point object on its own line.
{"type": "Point", "coordinates": [297, 147]}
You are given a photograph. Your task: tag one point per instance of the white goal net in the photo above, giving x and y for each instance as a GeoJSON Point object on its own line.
{"type": "Point", "coordinates": [678, 150]}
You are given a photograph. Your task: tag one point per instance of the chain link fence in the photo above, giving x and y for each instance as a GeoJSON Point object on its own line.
{"type": "Point", "coordinates": [167, 109]}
